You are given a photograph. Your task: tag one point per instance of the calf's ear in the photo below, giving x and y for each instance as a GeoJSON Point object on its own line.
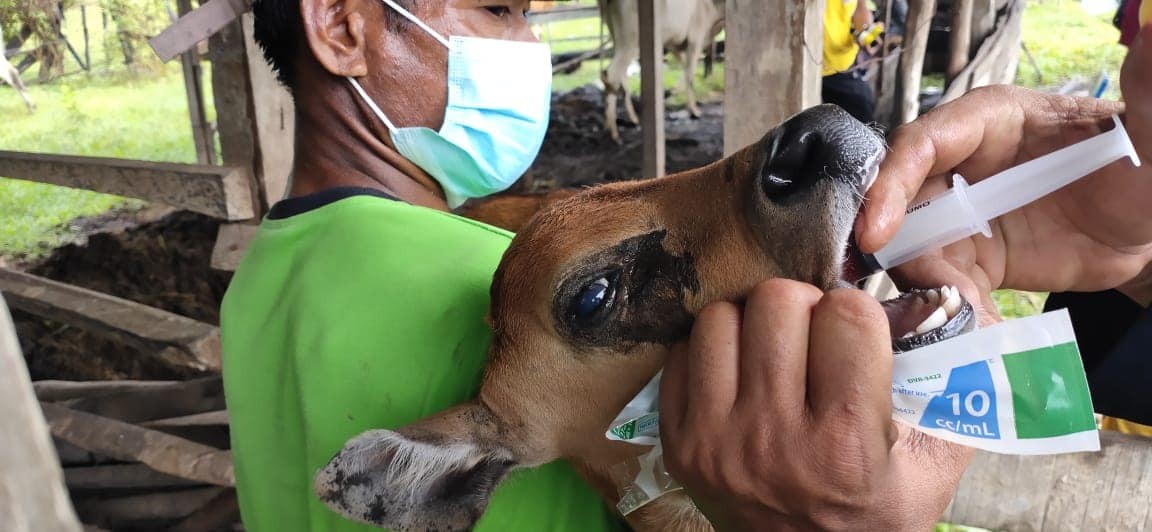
{"type": "Point", "coordinates": [437, 474]}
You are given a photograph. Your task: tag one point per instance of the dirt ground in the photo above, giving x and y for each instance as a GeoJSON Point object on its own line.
{"type": "Point", "coordinates": [161, 258]}
{"type": "Point", "coordinates": [578, 151]}
{"type": "Point", "coordinates": [162, 263]}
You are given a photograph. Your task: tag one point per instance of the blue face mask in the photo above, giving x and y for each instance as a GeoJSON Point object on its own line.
{"type": "Point", "coordinates": [499, 93]}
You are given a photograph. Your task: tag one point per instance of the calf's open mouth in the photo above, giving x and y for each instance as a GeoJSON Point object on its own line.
{"type": "Point", "coordinates": [921, 316]}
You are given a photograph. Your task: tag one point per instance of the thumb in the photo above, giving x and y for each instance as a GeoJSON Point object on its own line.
{"type": "Point", "coordinates": [1136, 86]}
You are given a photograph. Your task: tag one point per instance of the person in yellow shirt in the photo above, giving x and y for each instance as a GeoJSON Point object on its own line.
{"type": "Point", "coordinates": [842, 84]}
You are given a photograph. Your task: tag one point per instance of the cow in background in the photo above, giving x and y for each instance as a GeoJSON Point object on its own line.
{"type": "Point", "coordinates": [11, 76]}
{"type": "Point", "coordinates": [687, 27]}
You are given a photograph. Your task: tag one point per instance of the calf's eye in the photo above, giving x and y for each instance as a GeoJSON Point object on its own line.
{"type": "Point", "coordinates": [591, 300]}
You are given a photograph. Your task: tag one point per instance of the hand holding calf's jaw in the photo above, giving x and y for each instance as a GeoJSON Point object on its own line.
{"type": "Point", "coordinates": [779, 415]}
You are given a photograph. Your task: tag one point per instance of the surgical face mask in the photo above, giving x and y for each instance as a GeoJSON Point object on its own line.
{"type": "Point", "coordinates": [499, 93]}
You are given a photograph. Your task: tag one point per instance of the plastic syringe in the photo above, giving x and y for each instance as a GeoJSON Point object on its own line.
{"type": "Point", "coordinates": [964, 210]}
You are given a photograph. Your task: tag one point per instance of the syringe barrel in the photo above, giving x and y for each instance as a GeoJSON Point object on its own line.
{"type": "Point", "coordinates": [1030, 181]}
{"type": "Point", "coordinates": [932, 224]}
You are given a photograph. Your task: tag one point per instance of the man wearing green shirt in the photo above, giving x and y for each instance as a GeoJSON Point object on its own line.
{"type": "Point", "coordinates": [360, 303]}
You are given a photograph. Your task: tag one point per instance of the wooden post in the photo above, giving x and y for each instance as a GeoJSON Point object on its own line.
{"type": "Point", "coordinates": [959, 38]}
{"type": "Point", "coordinates": [774, 55]}
{"type": "Point", "coordinates": [996, 59]}
{"type": "Point", "coordinates": [652, 86]}
{"type": "Point", "coordinates": [275, 121]}
{"type": "Point", "coordinates": [87, 45]}
{"type": "Point", "coordinates": [202, 134]}
{"type": "Point", "coordinates": [232, 92]}
{"type": "Point", "coordinates": [266, 136]}
{"type": "Point", "coordinates": [983, 22]}
{"type": "Point", "coordinates": [912, 63]}
{"type": "Point", "coordinates": [32, 495]}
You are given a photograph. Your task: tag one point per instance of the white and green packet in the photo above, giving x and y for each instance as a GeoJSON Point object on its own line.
{"type": "Point", "coordinates": [639, 421]}
{"type": "Point", "coordinates": [1016, 387]}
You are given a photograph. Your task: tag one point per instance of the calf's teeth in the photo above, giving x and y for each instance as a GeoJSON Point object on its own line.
{"type": "Point", "coordinates": [951, 304]}
{"type": "Point", "coordinates": [934, 297]}
{"type": "Point", "coordinates": [937, 319]}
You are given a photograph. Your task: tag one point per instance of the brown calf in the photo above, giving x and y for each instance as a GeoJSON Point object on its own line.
{"type": "Point", "coordinates": [587, 301]}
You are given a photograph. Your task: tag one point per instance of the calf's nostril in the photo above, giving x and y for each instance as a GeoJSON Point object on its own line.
{"type": "Point", "coordinates": [793, 161]}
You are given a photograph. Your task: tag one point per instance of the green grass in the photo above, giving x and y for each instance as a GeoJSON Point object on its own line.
{"type": "Point", "coordinates": [948, 527]}
{"type": "Point", "coordinates": [1069, 43]}
{"type": "Point", "coordinates": [121, 116]}
{"type": "Point", "coordinates": [1018, 304]}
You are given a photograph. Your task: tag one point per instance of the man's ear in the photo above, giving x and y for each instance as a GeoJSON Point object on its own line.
{"type": "Point", "coordinates": [437, 474]}
{"type": "Point", "coordinates": [335, 33]}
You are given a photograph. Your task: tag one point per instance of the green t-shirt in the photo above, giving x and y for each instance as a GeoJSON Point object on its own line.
{"type": "Point", "coordinates": [364, 313]}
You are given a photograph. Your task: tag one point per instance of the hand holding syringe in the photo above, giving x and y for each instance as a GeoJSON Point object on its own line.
{"type": "Point", "coordinates": [964, 210]}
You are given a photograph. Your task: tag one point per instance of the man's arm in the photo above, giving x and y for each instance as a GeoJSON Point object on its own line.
{"type": "Point", "coordinates": [862, 17]}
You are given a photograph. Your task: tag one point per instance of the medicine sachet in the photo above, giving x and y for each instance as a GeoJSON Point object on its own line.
{"type": "Point", "coordinates": [1016, 387]}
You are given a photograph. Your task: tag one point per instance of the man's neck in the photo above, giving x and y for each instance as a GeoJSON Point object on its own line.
{"type": "Point", "coordinates": [345, 149]}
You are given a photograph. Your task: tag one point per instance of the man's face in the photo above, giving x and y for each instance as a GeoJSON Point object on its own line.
{"type": "Point", "coordinates": [408, 68]}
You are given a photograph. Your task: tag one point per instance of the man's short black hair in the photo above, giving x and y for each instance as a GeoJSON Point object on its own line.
{"type": "Point", "coordinates": [279, 30]}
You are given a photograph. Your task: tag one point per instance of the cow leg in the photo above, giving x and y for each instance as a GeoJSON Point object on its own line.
{"type": "Point", "coordinates": [691, 57]}
{"type": "Point", "coordinates": [19, 85]}
{"type": "Point", "coordinates": [610, 95]}
{"type": "Point", "coordinates": [615, 79]}
{"type": "Point", "coordinates": [629, 108]}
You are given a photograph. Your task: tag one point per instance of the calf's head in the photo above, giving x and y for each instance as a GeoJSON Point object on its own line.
{"type": "Point", "coordinates": [587, 300]}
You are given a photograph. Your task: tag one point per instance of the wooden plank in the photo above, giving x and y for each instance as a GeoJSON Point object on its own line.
{"type": "Point", "coordinates": [912, 61]}
{"type": "Point", "coordinates": [163, 452]}
{"type": "Point", "coordinates": [202, 133]}
{"type": "Point", "coordinates": [232, 94]}
{"type": "Point", "coordinates": [997, 59]}
{"type": "Point", "coordinates": [1107, 490]}
{"type": "Point", "coordinates": [772, 70]}
{"type": "Point", "coordinates": [231, 242]}
{"type": "Point", "coordinates": [120, 476]}
{"type": "Point", "coordinates": [206, 419]}
{"type": "Point", "coordinates": [172, 338]}
{"type": "Point", "coordinates": [205, 21]}
{"type": "Point", "coordinates": [220, 511]}
{"type": "Point", "coordinates": [959, 38]}
{"type": "Point", "coordinates": [886, 83]}
{"type": "Point", "coordinates": [57, 390]}
{"type": "Point", "coordinates": [218, 191]}
{"type": "Point", "coordinates": [274, 123]}
{"type": "Point", "coordinates": [32, 495]}
{"type": "Point", "coordinates": [266, 143]}
{"type": "Point", "coordinates": [560, 14]}
{"type": "Point", "coordinates": [652, 86]}
{"type": "Point", "coordinates": [119, 512]}
{"type": "Point", "coordinates": [195, 396]}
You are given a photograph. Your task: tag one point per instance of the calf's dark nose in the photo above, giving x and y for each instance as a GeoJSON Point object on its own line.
{"type": "Point", "coordinates": [795, 159]}
{"type": "Point", "coordinates": [820, 143]}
